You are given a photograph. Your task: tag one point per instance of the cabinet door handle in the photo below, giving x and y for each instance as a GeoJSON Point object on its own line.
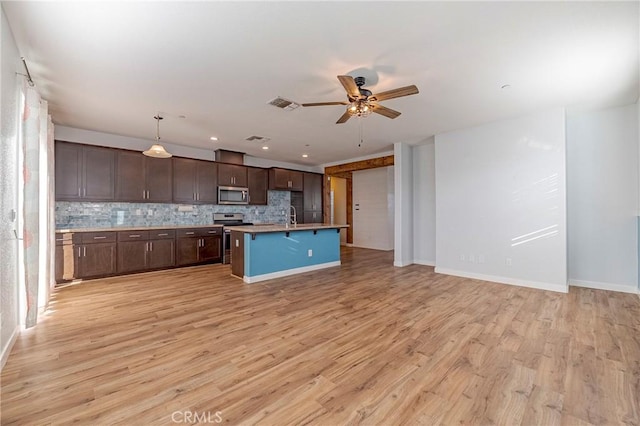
{"type": "Point", "coordinates": [147, 194]}
{"type": "Point", "coordinates": [133, 236]}
{"type": "Point", "coordinates": [102, 238]}
{"type": "Point", "coordinates": [84, 251]}
{"type": "Point", "coordinates": [162, 235]}
{"type": "Point", "coordinates": [79, 192]}
{"type": "Point", "coordinates": [189, 233]}
{"type": "Point", "coordinates": [150, 245]}
{"type": "Point", "coordinates": [79, 253]}
{"type": "Point", "coordinates": [144, 194]}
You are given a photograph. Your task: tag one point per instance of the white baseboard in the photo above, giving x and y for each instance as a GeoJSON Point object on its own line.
{"type": "Point", "coordinates": [425, 262]}
{"type": "Point", "coordinates": [7, 349]}
{"type": "Point", "coordinates": [401, 264]}
{"type": "Point", "coordinates": [604, 286]}
{"type": "Point", "coordinates": [287, 272]}
{"type": "Point", "coordinates": [505, 280]}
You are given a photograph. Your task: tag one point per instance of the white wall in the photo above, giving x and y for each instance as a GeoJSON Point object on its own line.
{"type": "Point", "coordinates": [424, 203]}
{"type": "Point", "coordinates": [602, 185]}
{"type": "Point", "coordinates": [501, 202]}
{"type": "Point", "coordinates": [404, 237]}
{"type": "Point", "coordinates": [9, 65]}
{"type": "Point", "coordinates": [91, 137]}
{"type": "Point", "coordinates": [373, 208]}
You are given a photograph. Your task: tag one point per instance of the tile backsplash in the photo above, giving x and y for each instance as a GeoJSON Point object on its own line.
{"type": "Point", "coordinates": [71, 215]}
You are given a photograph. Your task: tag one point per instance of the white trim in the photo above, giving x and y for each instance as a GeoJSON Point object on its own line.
{"type": "Point", "coordinates": [7, 349]}
{"type": "Point", "coordinates": [505, 280]}
{"type": "Point", "coordinates": [401, 264]}
{"type": "Point", "coordinates": [604, 286]}
{"type": "Point", "coordinates": [287, 272]}
{"type": "Point", "coordinates": [425, 262]}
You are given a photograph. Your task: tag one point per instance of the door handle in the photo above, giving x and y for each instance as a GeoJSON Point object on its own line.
{"type": "Point", "coordinates": [84, 251]}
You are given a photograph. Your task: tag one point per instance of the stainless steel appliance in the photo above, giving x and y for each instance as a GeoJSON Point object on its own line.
{"type": "Point", "coordinates": [233, 195]}
{"type": "Point", "coordinates": [229, 220]}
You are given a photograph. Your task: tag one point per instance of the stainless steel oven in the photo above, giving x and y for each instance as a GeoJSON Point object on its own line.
{"type": "Point", "coordinates": [229, 220]}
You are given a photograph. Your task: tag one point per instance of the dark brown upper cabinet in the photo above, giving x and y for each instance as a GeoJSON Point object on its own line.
{"type": "Point", "coordinates": [232, 175]}
{"type": "Point", "coordinates": [258, 182]}
{"type": "Point", "coordinates": [84, 172]}
{"type": "Point", "coordinates": [194, 181]}
{"type": "Point", "coordinates": [312, 198]}
{"type": "Point", "coordinates": [284, 179]}
{"type": "Point", "coordinates": [143, 179]}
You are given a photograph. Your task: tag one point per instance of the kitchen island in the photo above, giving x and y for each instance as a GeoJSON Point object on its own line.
{"type": "Point", "coordinates": [264, 252]}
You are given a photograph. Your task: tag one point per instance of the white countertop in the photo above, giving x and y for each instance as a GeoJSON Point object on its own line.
{"type": "Point", "coordinates": [257, 229]}
{"type": "Point", "coordinates": [135, 228]}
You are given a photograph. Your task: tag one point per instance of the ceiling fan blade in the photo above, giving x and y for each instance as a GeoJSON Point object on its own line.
{"type": "Point", "coordinates": [350, 86]}
{"type": "Point", "coordinates": [343, 118]}
{"type": "Point", "coordinates": [396, 93]}
{"type": "Point", "coordinates": [325, 103]}
{"type": "Point", "coordinates": [387, 112]}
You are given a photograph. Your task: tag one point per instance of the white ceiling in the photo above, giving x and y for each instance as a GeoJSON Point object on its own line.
{"type": "Point", "coordinates": [112, 66]}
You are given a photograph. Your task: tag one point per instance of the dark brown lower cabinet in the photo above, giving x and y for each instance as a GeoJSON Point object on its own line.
{"type": "Point", "coordinates": [96, 260]}
{"type": "Point", "coordinates": [102, 254]}
{"type": "Point", "coordinates": [161, 253]}
{"type": "Point", "coordinates": [195, 246]}
{"type": "Point", "coordinates": [145, 250]}
{"type": "Point", "coordinates": [132, 256]}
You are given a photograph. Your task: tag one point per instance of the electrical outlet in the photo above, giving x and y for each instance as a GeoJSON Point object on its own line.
{"type": "Point", "coordinates": [481, 258]}
{"type": "Point", "coordinates": [310, 253]}
{"type": "Point", "coordinates": [507, 261]}
{"type": "Point", "coordinates": [472, 258]}
{"type": "Point", "coordinates": [138, 212]}
{"type": "Point", "coordinates": [150, 212]}
{"type": "Point", "coordinates": [462, 258]}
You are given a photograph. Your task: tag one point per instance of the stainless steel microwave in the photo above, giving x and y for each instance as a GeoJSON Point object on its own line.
{"type": "Point", "coordinates": [233, 195]}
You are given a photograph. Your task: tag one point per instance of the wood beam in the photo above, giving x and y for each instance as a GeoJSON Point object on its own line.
{"type": "Point", "coordinates": [371, 163]}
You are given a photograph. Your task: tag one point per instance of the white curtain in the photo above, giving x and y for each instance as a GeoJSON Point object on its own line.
{"type": "Point", "coordinates": [37, 136]}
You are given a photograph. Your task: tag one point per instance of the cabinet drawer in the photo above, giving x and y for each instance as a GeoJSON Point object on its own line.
{"type": "Point", "coordinates": [198, 232]}
{"type": "Point", "coordinates": [133, 235]}
{"type": "Point", "coordinates": [210, 231]}
{"type": "Point", "coordinates": [98, 237]}
{"type": "Point", "coordinates": [63, 239]}
{"type": "Point", "coordinates": [162, 234]}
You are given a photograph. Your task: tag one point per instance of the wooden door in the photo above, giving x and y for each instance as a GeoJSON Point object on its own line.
{"type": "Point", "coordinates": [187, 251]}
{"type": "Point", "coordinates": [97, 260]}
{"type": "Point", "coordinates": [99, 173]}
{"type": "Point", "coordinates": [258, 181]}
{"type": "Point", "coordinates": [207, 178]}
{"type": "Point", "coordinates": [210, 249]}
{"type": "Point", "coordinates": [184, 180]}
{"type": "Point", "coordinates": [296, 179]}
{"type": "Point", "coordinates": [159, 178]}
{"type": "Point", "coordinates": [132, 256]}
{"type": "Point", "coordinates": [161, 254]}
{"type": "Point", "coordinates": [68, 169]}
{"type": "Point", "coordinates": [130, 176]}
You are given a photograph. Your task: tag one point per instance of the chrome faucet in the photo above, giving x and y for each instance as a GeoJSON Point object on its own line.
{"type": "Point", "coordinates": [293, 218]}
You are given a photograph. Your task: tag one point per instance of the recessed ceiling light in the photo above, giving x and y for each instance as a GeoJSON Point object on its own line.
{"type": "Point", "coordinates": [305, 155]}
{"type": "Point", "coordinates": [265, 147]}
{"type": "Point", "coordinates": [213, 138]}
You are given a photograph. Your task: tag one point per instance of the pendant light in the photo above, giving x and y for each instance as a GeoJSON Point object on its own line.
{"type": "Point", "coordinates": [157, 150]}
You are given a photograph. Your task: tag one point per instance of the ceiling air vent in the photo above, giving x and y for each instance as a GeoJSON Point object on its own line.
{"type": "Point", "coordinates": [257, 138]}
{"type": "Point", "coordinates": [283, 103]}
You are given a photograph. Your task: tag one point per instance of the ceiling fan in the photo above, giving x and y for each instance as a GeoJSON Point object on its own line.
{"type": "Point", "coordinates": [361, 102]}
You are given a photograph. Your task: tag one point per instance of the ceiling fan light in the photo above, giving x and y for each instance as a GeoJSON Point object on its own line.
{"type": "Point", "coordinates": [359, 108]}
{"type": "Point", "coordinates": [157, 151]}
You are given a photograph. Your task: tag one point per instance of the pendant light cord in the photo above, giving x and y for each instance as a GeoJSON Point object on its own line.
{"type": "Point", "coordinates": [158, 118]}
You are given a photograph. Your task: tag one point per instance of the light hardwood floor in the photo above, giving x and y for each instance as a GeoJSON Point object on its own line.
{"type": "Point", "coordinates": [365, 343]}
